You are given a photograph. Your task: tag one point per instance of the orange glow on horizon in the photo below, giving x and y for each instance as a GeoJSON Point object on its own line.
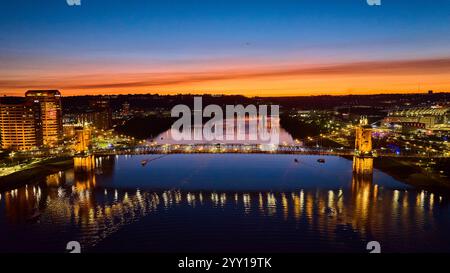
{"type": "Point", "coordinates": [410, 76]}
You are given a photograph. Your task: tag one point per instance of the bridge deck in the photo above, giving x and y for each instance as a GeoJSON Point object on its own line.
{"type": "Point", "coordinates": [253, 149]}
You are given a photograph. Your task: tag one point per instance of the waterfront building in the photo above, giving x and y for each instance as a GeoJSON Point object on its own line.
{"type": "Point", "coordinates": [50, 114]}
{"type": "Point", "coordinates": [20, 125]}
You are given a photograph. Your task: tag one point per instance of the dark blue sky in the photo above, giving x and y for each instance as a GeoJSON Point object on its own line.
{"type": "Point", "coordinates": [144, 35]}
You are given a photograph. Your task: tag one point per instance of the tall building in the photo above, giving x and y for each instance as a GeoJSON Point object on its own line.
{"type": "Point", "coordinates": [20, 125]}
{"type": "Point", "coordinates": [100, 114]}
{"type": "Point", "coordinates": [50, 114]}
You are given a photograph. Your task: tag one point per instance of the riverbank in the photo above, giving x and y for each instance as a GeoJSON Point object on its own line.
{"type": "Point", "coordinates": [407, 171]}
{"type": "Point", "coordinates": [37, 171]}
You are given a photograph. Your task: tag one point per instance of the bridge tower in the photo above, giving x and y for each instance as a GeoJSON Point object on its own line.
{"type": "Point", "coordinates": [83, 160]}
{"type": "Point", "coordinates": [83, 139]}
{"type": "Point", "coordinates": [363, 138]}
{"type": "Point", "coordinates": [363, 158]}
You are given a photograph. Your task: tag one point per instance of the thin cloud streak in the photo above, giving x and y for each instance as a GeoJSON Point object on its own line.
{"type": "Point", "coordinates": [130, 80]}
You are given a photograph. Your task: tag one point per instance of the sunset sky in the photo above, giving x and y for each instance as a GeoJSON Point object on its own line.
{"type": "Point", "coordinates": [249, 47]}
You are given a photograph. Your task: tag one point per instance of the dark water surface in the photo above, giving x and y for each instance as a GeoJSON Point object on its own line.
{"type": "Point", "coordinates": [223, 202]}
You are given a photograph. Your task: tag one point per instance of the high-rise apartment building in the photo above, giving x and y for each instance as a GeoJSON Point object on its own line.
{"type": "Point", "coordinates": [20, 125]}
{"type": "Point", "coordinates": [100, 113]}
{"type": "Point", "coordinates": [50, 114]}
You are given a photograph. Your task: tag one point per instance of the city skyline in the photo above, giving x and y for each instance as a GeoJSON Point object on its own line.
{"type": "Point", "coordinates": [224, 134]}
{"type": "Point", "coordinates": [294, 48]}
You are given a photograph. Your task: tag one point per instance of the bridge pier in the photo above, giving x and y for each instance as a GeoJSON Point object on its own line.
{"type": "Point", "coordinates": [84, 163]}
{"type": "Point", "coordinates": [362, 166]}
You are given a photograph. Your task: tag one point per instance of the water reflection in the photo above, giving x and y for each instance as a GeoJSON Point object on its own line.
{"type": "Point", "coordinates": [90, 213]}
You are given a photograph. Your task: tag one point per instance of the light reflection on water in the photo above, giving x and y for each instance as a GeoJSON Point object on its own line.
{"type": "Point", "coordinates": [241, 135]}
{"type": "Point", "coordinates": [104, 215]}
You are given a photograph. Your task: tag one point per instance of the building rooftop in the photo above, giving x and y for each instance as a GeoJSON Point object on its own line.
{"type": "Point", "coordinates": [42, 93]}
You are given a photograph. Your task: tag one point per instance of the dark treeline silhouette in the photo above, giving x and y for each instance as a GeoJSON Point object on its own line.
{"type": "Point", "coordinates": [145, 127]}
{"type": "Point", "coordinates": [297, 128]}
{"type": "Point", "coordinates": [166, 102]}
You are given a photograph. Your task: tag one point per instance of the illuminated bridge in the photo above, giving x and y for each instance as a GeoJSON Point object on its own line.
{"type": "Point", "coordinates": [363, 147]}
{"type": "Point", "coordinates": [260, 149]}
